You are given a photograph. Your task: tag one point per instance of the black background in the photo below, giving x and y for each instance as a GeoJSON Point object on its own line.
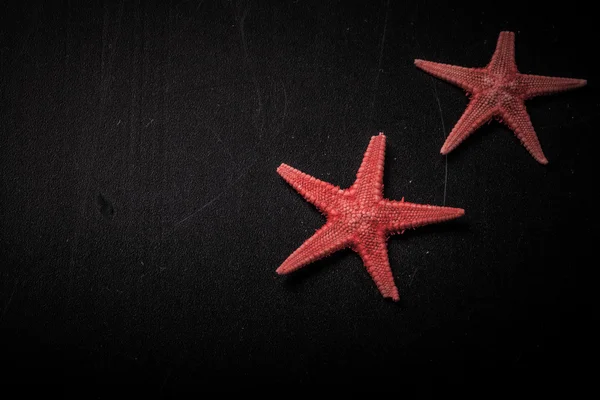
{"type": "Point", "coordinates": [142, 219]}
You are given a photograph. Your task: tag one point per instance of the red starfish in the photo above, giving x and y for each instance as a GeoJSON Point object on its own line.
{"type": "Point", "coordinates": [498, 90]}
{"type": "Point", "coordinates": [359, 217]}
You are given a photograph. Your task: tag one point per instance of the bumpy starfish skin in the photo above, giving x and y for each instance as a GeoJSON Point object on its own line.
{"type": "Point", "coordinates": [359, 218]}
{"type": "Point", "coordinates": [498, 90]}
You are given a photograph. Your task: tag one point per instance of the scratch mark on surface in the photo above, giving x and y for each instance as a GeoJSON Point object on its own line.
{"type": "Point", "coordinates": [88, 145]}
{"type": "Point", "coordinates": [437, 99]}
{"type": "Point", "coordinates": [285, 103]}
{"type": "Point", "coordinates": [346, 107]}
{"type": "Point", "coordinates": [285, 107]}
{"type": "Point", "coordinates": [225, 148]}
{"type": "Point", "coordinates": [192, 18]}
{"type": "Point", "coordinates": [381, 47]}
{"type": "Point", "coordinates": [9, 300]}
{"type": "Point", "coordinates": [581, 121]}
{"type": "Point", "coordinates": [166, 188]}
{"type": "Point", "coordinates": [258, 112]}
{"type": "Point", "coordinates": [210, 202]}
{"type": "Point", "coordinates": [167, 376]}
{"type": "Point", "coordinates": [108, 53]}
{"type": "Point", "coordinates": [31, 31]}
{"type": "Point", "coordinates": [412, 278]}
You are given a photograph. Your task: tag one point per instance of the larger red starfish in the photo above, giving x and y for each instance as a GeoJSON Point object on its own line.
{"type": "Point", "coordinates": [498, 90]}
{"type": "Point", "coordinates": [359, 217]}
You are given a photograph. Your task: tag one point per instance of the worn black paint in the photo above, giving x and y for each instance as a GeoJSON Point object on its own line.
{"type": "Point", "coordinates": [142, 218]}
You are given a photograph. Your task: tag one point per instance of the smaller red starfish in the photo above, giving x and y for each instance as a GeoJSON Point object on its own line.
{"type": "Point", "coordinates": [359, 218]}
{"type": "Point", "coordinates": [498, 90]}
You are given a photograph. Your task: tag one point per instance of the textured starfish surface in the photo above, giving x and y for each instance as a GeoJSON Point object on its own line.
{"type": "Point", "coordinates": [498, 90]}
{"type": "Point", "coordinates": [359, 218]}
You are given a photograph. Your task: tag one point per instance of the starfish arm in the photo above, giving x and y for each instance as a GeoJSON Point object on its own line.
{"type": "Point", "coordinates": [322, 194]}
{"type": "Point", "coordinates": [368, 186]}
{"type": "Point", "coordinates": [503, 60]}
{"type": "Point", "coordinates": [470, 79]}
{"type": "Point", "coordinates": [516, 117]}
{"type": "Point", "coordinates": [400, 215]}
{"type": "Point", "coordinates": [536, 85]}
{"type": "Point", "coordinates": [480, 109]}
{"type": "Point", "coordinates": [373, 251]}
{"type": "Point", "coordinates": [333, 236]}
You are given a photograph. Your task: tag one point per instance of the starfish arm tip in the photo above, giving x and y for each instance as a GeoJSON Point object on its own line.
{"type": "Point", "coordinates": [449, 213]}
{"type": "Point", "coordinates": [282, 271]}
{"type": "Point", "coordinates": [282, 167]}
{"type": "Point", "coordinates": [542, 160]}
{"type": "Point", "coordinates": [420, 63]}
{"type": "Point", "coordinates": [507, 35]}
{"type": "Point", "coordinates": [389, 292]}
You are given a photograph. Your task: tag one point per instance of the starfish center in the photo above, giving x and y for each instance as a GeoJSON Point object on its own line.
{"type": "Point", "coordinates": [502, 83]}
{"type": "Point", "coordinates": [360, 217]}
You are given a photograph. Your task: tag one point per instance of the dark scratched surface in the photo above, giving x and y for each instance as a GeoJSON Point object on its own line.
{"type": "Point", "coordinates": [142, 219]}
